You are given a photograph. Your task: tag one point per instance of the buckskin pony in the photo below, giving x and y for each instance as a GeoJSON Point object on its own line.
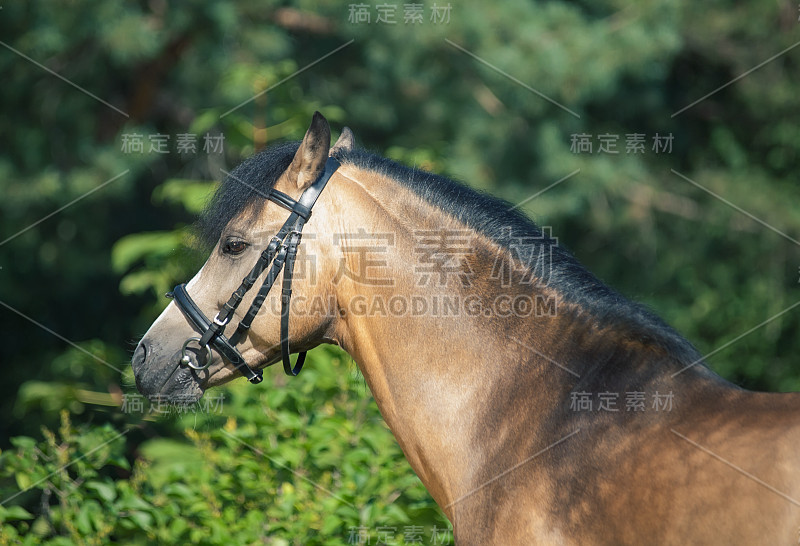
{"type": "Point", "coordinates": [536, 404]}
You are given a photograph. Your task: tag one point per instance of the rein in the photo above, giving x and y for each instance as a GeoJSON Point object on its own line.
{"type": "Point", "coordinates": [281, 253]}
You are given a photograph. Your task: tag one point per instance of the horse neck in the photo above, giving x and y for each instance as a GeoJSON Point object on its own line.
{"type": "Point", "coordinates": [436, 375]}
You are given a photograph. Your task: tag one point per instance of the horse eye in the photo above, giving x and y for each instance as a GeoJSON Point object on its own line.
{"type": "Point", "coordinates": [234, 247]}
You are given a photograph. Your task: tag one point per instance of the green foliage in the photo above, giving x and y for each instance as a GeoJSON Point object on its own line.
{"type": "Point", "coordinates": [90, 277]}
{"type": "Point", "coordinates": [157, 250]}
{"type": "Point", "coordinates": [303, 462]}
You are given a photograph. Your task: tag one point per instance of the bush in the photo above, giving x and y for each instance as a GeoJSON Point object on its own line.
{"type": "Point", "coordinates": [303, 461]}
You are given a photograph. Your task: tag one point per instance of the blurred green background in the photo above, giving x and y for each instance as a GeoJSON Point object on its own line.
{"type": "Point", "coordinates": [507, 97]}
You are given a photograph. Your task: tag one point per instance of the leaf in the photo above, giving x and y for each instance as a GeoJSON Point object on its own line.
{"type": "Point", "coordinates": [120, 461]}
{"type": "Point", "coordinates": [330, 524]}
{"type": "Point", "coordinates": [45, 395]}
{"type": "Point", "coordinates": [106, 491]}
{"type": "Point", "coordinates": [177, 527]}
{"type": "Point", "coordinates": [140, 281]}
{"type": "Point", "coordinates": [179, 490]}
{"type": "Point", "coordinates": [132, 503]}
{"type": "Point", "coordinates": [23, 481]}
{"type": "Point", "coordinates": [132, 248]}
{"type": "Point", "coordinates": [191, 194]}
{"type": "Point", "coordinates": [142, 519]}
{"type": "Point", "coordinates": [12, 513]}
{"type": "Point", "coordinates": [83, 522]}
{"type": "Point", "coordinates": [205, 121]}
{"type": "Point", "coordinates": [23, 442]}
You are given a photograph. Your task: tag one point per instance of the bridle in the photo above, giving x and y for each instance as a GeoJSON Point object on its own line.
{"type": "Point", "coordinates": [281, 253]}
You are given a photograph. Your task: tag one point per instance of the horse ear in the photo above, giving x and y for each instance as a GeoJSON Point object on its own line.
{"type": "Point", "coordinates": [309, 161]}
{"type": "Point", "coordinates": [346, 141]}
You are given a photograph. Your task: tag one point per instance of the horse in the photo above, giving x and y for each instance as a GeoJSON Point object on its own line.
{"type": "Point", "coordinates": [536, 404]}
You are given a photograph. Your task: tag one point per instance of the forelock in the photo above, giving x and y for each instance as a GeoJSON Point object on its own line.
{"type": "Point", "coordinates": [247, 184]}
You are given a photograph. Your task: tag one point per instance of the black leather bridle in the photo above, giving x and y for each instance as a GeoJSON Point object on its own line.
{"type": "Point", "coordinates": [281, 253]}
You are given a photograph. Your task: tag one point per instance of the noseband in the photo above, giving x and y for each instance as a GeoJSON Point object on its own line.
{"type": "Point", "coordinates": [281, 253]}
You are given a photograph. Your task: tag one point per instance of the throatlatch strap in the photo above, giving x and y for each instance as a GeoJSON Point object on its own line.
{"type": "Point", "coordinates": [286, 300]}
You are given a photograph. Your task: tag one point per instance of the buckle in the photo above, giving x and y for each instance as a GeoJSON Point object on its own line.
{"type": "Point", "coordinates": [219, 322]}
{"type": "Point", "coordinates": [296, 240]}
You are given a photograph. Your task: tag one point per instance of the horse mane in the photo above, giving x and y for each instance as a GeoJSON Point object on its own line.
{"type": "Point", "coordinates": [246, 184]}
{"type": "Point", "coordinates": [499, 221]}
{"type": "Point", "coordinates": [489, 216]}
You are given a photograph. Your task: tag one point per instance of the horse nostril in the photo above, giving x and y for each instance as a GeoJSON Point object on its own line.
{"type": "Point", "coordinates": [139, 355]}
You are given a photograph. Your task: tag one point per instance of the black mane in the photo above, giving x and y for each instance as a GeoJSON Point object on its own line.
{"type": "Point", "coordinates": [246, 184]}
{"type": "Point", "coordinates": [486, 214]}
